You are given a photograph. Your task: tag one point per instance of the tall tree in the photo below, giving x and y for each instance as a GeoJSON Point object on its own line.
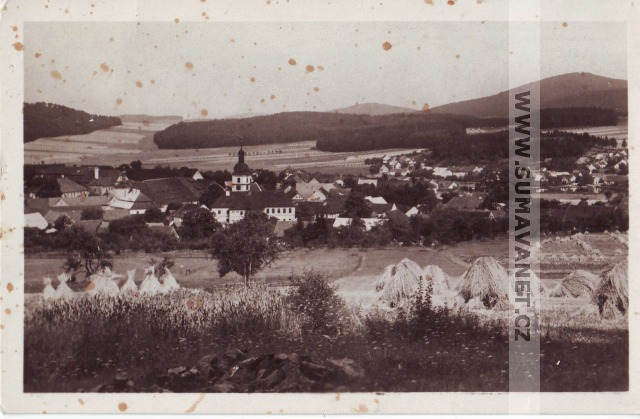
{"type": "Point", "coordinates": [198, 224]}
{"type": "Point", "coordinates": [245, 247]}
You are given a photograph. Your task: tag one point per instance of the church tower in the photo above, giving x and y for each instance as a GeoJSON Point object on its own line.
{"type": "Point", "coordinates": [241, 178]}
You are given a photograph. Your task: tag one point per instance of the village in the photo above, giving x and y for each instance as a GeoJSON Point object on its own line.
{"type": "Point", "coordinates": [93, 196]}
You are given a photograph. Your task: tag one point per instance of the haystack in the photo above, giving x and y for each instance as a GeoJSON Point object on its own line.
{"type": "Point", "coordinates": [63, 290]}
{"type": "Point", "coordinates": [150, 284]}
{"type": "Point", "coordinates": [169, 283]}
{"type": "Point", "coordinates": [102, 283]}
{"type": "Point", "coordinates": [441, 281]}
{"type": "Point", "coordinates": [578, 284]}
{"type": "Point", "coordinates": [398, 283]}
{"type": "Point", "coordinates": [130, 286]}
{"type": "Point", "coordinates": [484, 284]}
{"type": "Point", "coordinates": [612, 294]}
{"type": "Point", "coordinates": [49, 292]}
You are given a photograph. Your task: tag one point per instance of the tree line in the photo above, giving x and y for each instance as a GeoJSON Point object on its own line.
{"type": "Point", "coordinates": [304, 126]}
{"type": "Point", "coordinates": [50, 120]}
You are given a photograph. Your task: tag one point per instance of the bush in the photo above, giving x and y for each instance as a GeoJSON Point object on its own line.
{"type": "Point", "coordinates": [323, 310]}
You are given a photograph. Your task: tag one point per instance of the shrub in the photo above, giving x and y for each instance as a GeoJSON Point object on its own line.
{"type": "Point", "coordinates": [323, 310]}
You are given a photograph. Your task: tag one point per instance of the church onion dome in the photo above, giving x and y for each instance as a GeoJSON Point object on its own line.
{"type": "Point", "coordinates": [241, 168]}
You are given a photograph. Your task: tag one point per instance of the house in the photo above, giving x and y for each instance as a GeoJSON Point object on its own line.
{"type": "Point", "coordinates": [52, 215]}
{"type": "Point", "coordinates": [233, 207]}
{"type": "Point", "coordinates": [592, 168]}
{"type": "Point", "coordinates": [180, 190]}
{"type": "Point", "coordinates": [307, 191]}
{"type": "Point", "coordinates": [142, 204]}
{"type": "Point", "coordinates": [620, 164]}
{"type": "Point", "coordinates": [115, 214]}
{"type": "Point", "coordinates": [104, 180]}
{"type": "Point", "coordinates": [69, 188]}
{"type": "Point", "coordinates": [332, 207]}
{"type": "Point", "coordinates": [81, 201]}
{"type": "Point", "coordinates": [179, 214]}
{"type": "Point", "coordinates": [376, 199]}
{"type": "Point", "coordinates": [366, 181]}
{"type": "Point", "coordinates": [197, 176]}
{"type": "Point", "coordinates": [442, 172]}
{"type": "Point", "coordinates": [412, 211]}
{"type": "Point", "coordinates": [369, 223]}
{"type": "Point", "coordinates": [35, 220]}
{"type": "Point", "coordinates": [163, 229]}
{"type": "Point", "coordinates": [469, 202]}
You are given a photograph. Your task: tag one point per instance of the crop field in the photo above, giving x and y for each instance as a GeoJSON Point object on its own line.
{"type": "Point", "coordinates": [147, 338]}
{"type": "Point", "coordinates": [134, 140]}
{"type": "Point", "coordinates": [352, 268]}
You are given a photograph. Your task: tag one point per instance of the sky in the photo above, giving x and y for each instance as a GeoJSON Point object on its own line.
{"type": "Point", "coordinates": [218, 69]}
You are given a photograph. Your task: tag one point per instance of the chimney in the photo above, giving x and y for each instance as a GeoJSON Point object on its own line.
{"type": "Point", "coordinates": [96, 172]}
{"type": "Point", "coordinates": [227, 192]}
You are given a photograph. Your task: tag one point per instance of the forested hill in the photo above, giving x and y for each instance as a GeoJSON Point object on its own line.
{"type": "Point", "coordinates": [51, 120]}
{"type": "Point", "coordinates": [564, 91]}
{"type": "Point", "coordinates": [309, 126]}
{"type": "Point", "coordinates": [371, 138]}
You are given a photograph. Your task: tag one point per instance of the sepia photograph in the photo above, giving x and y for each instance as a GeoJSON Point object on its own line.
{"type": "Point", "coordinates": [323, 207]}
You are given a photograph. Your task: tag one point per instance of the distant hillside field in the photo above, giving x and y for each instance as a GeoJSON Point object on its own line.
{"type": "Point", "coordinates": [565, 91]}
{"type": "Point", "coordinates": [139, 118]}
{"type": "Point", "coordinates": [309, 126]}
{"type": "Point", "coordinates": [50, 120]}
{"type": "Point", "coordinates": [374, 109]}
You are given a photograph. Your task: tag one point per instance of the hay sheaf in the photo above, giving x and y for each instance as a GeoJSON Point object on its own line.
{"type": "Point", "coordinates": [169, 282]}
{"type": "Point", "coordinates": [150, 284]}
{"type": "Point", "coordinates": [130, 286]}
{"type": "Point", "coordinates": [441, 281]}
{"type": "Point", "coordinates": [484, 282]}
{"type": "Point", "coordinates": [398, 283]}
{"type": "Point", "coordinates": [103, 283]}
{"type": "Point", "coordinates": [578, 284]}
{"type": "Point", "coordinates": [612, 294]}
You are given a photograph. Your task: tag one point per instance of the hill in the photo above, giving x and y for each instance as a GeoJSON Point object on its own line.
{"type": "Point", "coordinates": [291, 127]}
{"type": "Point", "coordinates": [373, 109]}
{"type": "Point", "coordinates": [50, 120]}
{"type": "Point", "coordinates": [564, 91]}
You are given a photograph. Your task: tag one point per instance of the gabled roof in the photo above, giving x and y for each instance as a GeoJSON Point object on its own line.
{"type": "Point", "coordinates": [83, 201]}
{"type": "Point", "coordinates": [334, 205]}
{"type": "Point", "coordinates": [249, 201]}
{"type": "Point", "coordinates": [52, 215]}
{"type": "Point", "coordinates": [115, 214]}
{"type": "Point", "coordinates": [69, 186]}
{"type": "Point", "coordinates": [186, 208]}
{"type": "Point", "coordinates": [35, 220]}
{"type": "Point", "coordinates": [104, 181]}
{"type": "Point", "coordinates": [41, 205]}
{"type": "Point", "coordinates": [173, 190]}
{"type": "Point", "coordinates": [469, 202]}
{"type": "Point", "coordinates": [143, 202]}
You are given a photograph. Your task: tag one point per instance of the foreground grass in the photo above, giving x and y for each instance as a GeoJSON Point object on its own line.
{"type": "Point", "coordinates": [77, 344]}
